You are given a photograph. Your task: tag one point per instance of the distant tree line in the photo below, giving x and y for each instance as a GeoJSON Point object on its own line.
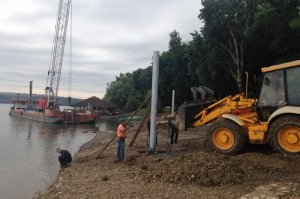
{"type": "Point", "coordinates": [237, 36]}
{"type": "Point", "coordinates": [7, 98]}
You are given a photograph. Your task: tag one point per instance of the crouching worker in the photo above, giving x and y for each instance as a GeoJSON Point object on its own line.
{"type": "Point", "coordinates": [64, 158]}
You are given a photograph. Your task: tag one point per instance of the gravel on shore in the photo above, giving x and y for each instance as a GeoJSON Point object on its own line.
{"type": "Point", "coordinates": [184, 170]}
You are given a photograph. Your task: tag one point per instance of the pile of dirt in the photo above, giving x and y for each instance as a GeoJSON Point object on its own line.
{"type": "Point", "coordinates": [197, 169]}
{"type": "Point", "coordinates": [212, 169]}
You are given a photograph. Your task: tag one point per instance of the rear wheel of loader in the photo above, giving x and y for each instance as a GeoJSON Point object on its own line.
{"type": "Point", "coordinates": [226, 137]}
{"type": "Point", "coordinates": [284, 135]}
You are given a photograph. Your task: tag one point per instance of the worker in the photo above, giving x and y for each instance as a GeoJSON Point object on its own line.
{"type": "Point", "coordinates": [64, 158]}
{"type": "Point", "coordinates": [173, 132]}
{"type": "Point", "coordinates": [121, 134]}
{"type": "Point", "coordinates": [173, 129]}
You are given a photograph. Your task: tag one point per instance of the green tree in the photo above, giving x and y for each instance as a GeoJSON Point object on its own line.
{"type": "Point", "coordinates": [199, 70]}
{"type": "Point", "coordinates": [274, 36]}
{"type": "Point", "coordinates": [142, 79]}
{"type": "Point", "coordinates": [129, 90]}
{"type": "Point", "coordinates": [118, 91]}
{"type": "Point", "coordinates": [173, 72]}
{"type": "Point", "coordinates": [225, 26]}
{"type": "Point", "coordinates": [238, 35]}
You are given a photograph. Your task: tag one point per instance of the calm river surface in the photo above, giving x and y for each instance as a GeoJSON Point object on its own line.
{"type": "Point", "coordinates": [28, 161]}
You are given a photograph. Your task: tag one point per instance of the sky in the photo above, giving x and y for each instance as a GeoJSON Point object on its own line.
{"type": "Point", "coordinates": [108, 38]}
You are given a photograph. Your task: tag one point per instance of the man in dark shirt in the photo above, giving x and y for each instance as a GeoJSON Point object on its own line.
{"type": "Point", "coordinates": [174, 133]}
{"type": "Point", "coordinates": [64, 158]}
{"type": "Point", "coordinates": [173, 130]}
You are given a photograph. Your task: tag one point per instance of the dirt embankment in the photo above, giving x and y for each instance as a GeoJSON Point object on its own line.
{"type": "Point", "coordinates": [184, 170]}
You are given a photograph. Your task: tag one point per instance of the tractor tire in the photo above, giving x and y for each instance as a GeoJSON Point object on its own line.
{"type": "Point", "coordinates": [284, 135]}
{"type": "Point", "coordinates": [226, 137]}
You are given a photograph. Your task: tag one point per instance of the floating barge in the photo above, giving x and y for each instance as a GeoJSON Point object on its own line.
{"type": "Point", "coordinates": [80, 117]}
{"type": "Point", "coordinates": [21, 109]}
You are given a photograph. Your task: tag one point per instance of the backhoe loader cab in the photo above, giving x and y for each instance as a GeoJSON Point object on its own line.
{"type": "Point", "coordinates": [273, 118]}
{"type": "Point", "coordinates": [280, 88]}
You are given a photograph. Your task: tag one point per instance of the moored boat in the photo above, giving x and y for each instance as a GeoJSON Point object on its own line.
{"type": "Point", "coordinates": [20, 109]}
{"type": "Point", "coordinates": [80, 117]}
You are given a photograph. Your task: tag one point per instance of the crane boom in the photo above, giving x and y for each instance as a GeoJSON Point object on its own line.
{"type": "Point", "coordinates": [57, 54]}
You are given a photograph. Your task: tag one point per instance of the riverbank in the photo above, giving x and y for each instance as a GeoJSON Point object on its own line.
{"type": "Point", "coordinates": [184, 170]}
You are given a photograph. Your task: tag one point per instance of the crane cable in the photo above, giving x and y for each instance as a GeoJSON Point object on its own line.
{"type": "Point", "coordinates": [50, 62]}
{"type": "Point", "coordinates": [70, 55]}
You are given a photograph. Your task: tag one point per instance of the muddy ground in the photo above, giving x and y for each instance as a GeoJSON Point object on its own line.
{"type": "Point", "coordinates": [184, 170]}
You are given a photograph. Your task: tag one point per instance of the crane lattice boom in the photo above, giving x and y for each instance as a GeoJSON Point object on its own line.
{"type": "Point", "coordinates": [57, 53]}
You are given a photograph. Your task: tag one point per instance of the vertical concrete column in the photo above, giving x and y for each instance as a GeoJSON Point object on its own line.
{"type": "Point", "coordinates": [155, 70]}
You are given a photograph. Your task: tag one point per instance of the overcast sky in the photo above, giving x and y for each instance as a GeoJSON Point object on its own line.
{"type": "Point", "coordinates": [109, 38]}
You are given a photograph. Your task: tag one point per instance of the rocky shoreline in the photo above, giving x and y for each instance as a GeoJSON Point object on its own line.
{"type": "Point", "coordinates": [185, 170]}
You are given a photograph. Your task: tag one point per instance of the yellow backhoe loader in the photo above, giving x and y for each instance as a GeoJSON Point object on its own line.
{"type": "Point", "coordinates": [273, 118]}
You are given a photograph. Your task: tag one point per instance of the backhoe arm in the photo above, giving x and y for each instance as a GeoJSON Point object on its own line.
{"type": "Point", "coordinates": [234, 105]}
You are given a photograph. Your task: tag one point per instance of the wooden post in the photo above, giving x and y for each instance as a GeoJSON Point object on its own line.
{"type": "Point", "coordinates": [114, 137]}
{"type": "Point", "coordinates": [30, 94]}
{"type": "Point", "coordinates": [141, 125]}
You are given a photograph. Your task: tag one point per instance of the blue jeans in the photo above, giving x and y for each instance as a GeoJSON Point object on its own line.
{"type": "Point", "coordinates": [121, 147]}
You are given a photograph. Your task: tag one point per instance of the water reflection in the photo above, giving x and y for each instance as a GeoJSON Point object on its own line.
{"type": "Point", "coordinates": [28, 161]}
{"type": "Point", "coordinates": [29, 142]}
{"type": "Point", "coordinates": [105, 124]}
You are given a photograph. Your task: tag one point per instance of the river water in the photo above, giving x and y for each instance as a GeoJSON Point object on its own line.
{"type": "Point", "coordinates": [28, 161]}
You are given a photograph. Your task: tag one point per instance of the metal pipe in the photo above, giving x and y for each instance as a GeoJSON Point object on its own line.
{"type": "Point", "coordinates": [173, 101]}
{"type": "Point", "coordinates": [155, 70]}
